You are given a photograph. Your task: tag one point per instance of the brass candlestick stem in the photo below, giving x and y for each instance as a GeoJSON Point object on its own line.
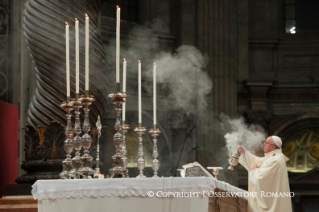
{"type": "Point", "coordinates": [125, 129]}
{"type": "Point", "coordinates": [155, 164]}
{"type": "Point", "coordinates": [86, 159]}
{"type": "Point", "coordinates": [118, 170]}
{"type": "Point", "coordinates": [68, 143]}
{"type": "Point", "coordinates": [140, 161]}
{"type": "Point", "coordinates": [77, 145]}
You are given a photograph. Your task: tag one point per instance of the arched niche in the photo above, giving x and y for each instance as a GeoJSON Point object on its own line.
{"type": "Point", "coordinates": [301, 142]}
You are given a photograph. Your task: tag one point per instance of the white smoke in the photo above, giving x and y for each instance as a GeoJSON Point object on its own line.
{"type": "Point", "coordinates": [249, 136]}
{"type": "Point", "coordinates": [181, 73]}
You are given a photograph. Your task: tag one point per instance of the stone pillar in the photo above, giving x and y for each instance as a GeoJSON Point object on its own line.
{"type": "Point", "coordinates": [259, 113]}
{"type": "Point", "coordinates": [217, 37]}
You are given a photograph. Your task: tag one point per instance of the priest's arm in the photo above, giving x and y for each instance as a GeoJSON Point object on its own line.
{"type": "Point", "coordinates": [247, 159]}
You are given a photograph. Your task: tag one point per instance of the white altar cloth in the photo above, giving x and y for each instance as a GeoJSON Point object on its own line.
{"type": "Point", "coordinates": [126, 194]}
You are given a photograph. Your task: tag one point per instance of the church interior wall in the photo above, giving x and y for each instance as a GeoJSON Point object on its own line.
{"type": "Point", "coordinates": [281, 92]}
{"type": "Point", "coordinates": [270, 77]}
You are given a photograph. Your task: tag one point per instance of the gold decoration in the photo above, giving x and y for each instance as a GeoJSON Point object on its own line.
{"type": "Point", "coordinates": [289, 148]}
{"type": "Point", "coordinates": [314, 150]}
{"type": "Point", "coordinates": [40, 131]}
{"type": "Point", "coordinates": [302, 148]}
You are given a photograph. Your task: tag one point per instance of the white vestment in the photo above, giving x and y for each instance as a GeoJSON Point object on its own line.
{"type": "Point", "coordinates": [269, 181]}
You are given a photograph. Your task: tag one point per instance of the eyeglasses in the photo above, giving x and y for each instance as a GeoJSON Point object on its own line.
{"type": "Point", "coordinates": [268, 143]}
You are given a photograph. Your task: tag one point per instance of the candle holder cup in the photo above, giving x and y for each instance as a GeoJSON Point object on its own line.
{"type": "Point", "coordinates": [215, 171]}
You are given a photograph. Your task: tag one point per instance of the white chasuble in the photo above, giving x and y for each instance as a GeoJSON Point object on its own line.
{"type": "Point", "coordinates": [268, 184]}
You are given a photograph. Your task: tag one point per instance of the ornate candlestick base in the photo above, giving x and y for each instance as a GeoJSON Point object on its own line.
{"type": "Point", "coordinates": [140, 161]}
{"type": "Point", "coordinates": [68, 143]}
{"type": "Point", "coordinates": [86, 139]}
{"type": "Point", "coordinates": [155, 164]}
{"type": "Point", "coordinates": [123, 150]}
{"type": "Point", "coordinates": [77, 145]}
{"type": "Point", "coordinates": [118, 170]}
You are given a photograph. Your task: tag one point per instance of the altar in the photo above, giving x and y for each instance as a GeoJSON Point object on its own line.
{"type": "Point", "coordinates": [138, 194]}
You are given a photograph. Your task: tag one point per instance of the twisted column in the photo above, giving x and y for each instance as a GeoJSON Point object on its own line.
{"type": "Point", "coordinates": [44, 30]}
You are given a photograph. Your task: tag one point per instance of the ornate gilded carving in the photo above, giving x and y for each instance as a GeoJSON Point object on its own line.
{"type": "Point", "coordinates": [302, 148]}
{"type": "Point", "coordinates": [43, 153]}
{"type": "Point", "coordinates": [31, 141]}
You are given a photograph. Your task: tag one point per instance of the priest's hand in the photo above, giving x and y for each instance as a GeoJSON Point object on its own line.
{"type": "Point", "coordinates": [254, 167]}
{"type": "Point", "coordinates": [241, 149]}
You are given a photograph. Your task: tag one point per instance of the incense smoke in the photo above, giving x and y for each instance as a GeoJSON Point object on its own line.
{"type": "Point", "coordinates": [180, 73]}
{"type": "Point", "coordinates": [250, 136]}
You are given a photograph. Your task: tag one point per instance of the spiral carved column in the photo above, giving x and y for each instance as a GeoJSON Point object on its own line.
{"type": "Point", "coordinates": [44, 30]}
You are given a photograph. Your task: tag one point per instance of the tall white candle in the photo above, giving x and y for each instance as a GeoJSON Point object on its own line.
{"type": "Point", "coordinates": [77, 57]}
{"type": "Point", "coordinates": [118, 18]}
{"type": "Point", "coordinates": [67, 57]}
{"type": "Point", "coordinates": [154, 93]}
{"type": "Point", "coordinates": [139, 93]}
{"type": "Point", "coordinates": [124, 89]}
{"type": "Point", "coordinates": [87, 47]}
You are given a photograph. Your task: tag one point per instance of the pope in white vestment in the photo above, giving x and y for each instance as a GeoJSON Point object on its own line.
{"type": "Point", "coordinates": [268, 177]}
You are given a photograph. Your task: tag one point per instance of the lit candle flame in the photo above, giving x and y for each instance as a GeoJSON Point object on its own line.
{"type": "Point", "coordinates": [124, 59]}
{"type": "Point", "coordinates": [86, 15]}
{"type": "Point", "coordinates": [66, 23]}
{"type": "Point", "coordinates": [139, 61]}
{"type": "Point", "coordinates": [76, 19]}
{"type": "Point", "coordinates": [117, 7]}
